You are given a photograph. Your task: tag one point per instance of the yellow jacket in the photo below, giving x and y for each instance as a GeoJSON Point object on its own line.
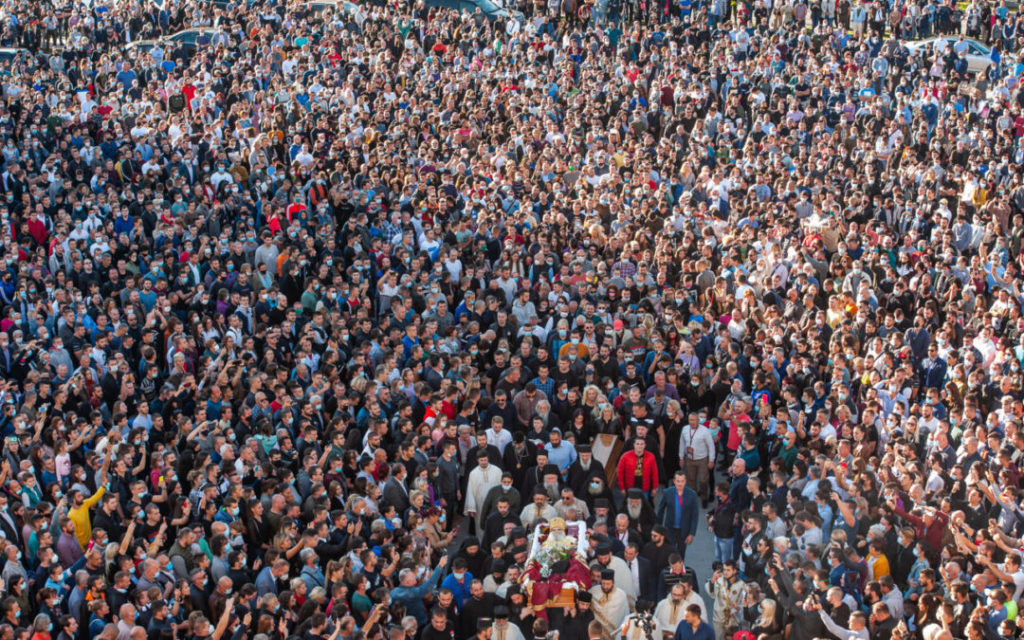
{"type": "Point", "coordinates": [878, 566]}
{"type": "Point", "coordinates": [80, 516]}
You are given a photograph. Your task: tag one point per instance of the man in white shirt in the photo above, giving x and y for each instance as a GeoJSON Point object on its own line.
{"type": "Point", "coordinates": [697, 455]}
{"type": "Point", "coordinates": [497, 435]}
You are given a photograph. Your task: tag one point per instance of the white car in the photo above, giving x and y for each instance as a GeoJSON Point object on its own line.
{"type": "Point", "coordinates": [10, 53]}
{"type": "Point", "coordinates": [336, 8]}
{"type": "Point", "coordinates": [979, 56]}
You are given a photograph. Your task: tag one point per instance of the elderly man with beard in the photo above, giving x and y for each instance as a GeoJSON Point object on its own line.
{"type": "Point", "coordinates": [518, 459]}
{"type": "Point", "coordinates": [539, 508]}
{"type": "Point", "coordinates": [610, 604]}
{"type": "Point", "coordinates": [670, 611]}
{"type": "Point", "coordinates": [583, 469]}
{"type": "Point", "coordinates": [551, 482]}
{"type": "Point", "coordinates": [640, 512]}
{"type": "Point", "coordinates": [598, 491]}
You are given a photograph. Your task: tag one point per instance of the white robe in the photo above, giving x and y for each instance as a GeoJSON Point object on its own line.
{"type": "Point", "coordinates": [511, 632]}
{"type": "Point", "coordinates": [623, 578]}
{"type": "Point", "coordinates": [610, 609]}
{"type": "Point", "coordinates": [663, 612]}
{"type": "Point", "coordinates": [481, 481]}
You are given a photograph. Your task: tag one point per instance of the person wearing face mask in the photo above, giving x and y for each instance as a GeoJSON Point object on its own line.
{"type": "Point", "coordinates": [505, 490]}
{"type": "Point", "coordinates": [458, 582]}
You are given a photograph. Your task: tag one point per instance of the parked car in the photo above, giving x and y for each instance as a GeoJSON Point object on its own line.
{"type": "Point", "coordinates": [490, 8]}
{"type": "Point", "coordinates": [190, 38]}
{"type": "Point", "coordinates": [349, 10]}
{"type": "Point", "coordinates": [8, 54]}
{"type": "Point", "coordinates": [979, 56]}
{"type": "Point", "coordinates": [141, 45]}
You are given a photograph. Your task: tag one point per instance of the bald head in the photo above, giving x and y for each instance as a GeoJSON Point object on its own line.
{"type": "Point", "coordinates": [127, 612]}
{"type": "Point", "coordinates": [224, 585]}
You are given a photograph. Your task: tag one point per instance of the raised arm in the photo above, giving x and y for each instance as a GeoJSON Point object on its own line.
{"type": "Point", "coordinates": [222, 624]}
{"type": "Point", "coordinates": [834, 628]}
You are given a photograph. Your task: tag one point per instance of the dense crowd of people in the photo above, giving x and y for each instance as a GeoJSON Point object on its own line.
{"type": "Point", "coordinates": [309, 319]}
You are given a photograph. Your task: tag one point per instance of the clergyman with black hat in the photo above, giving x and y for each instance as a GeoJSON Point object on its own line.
{"type": "Point", "coordinates": [610, 604]}
{"type": "Point", "coordinates": [503, 629]}
{"type": "Point", "coordinates": [574, 625]}
{"type": "Point", "coordinates": [581, 471]}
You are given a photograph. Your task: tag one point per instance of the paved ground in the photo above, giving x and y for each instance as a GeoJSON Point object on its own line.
{"type": "Point", "coordinates": [699, 555]}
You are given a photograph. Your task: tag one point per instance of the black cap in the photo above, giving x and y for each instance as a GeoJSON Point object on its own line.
{"type": "Point", "coordinates": [602, 503]}
{"type": "Point", "coordinates": [551, 469]}
{"type": "Point", "coordinates": [501, 611]}
{"type": "Point", "coordinates": [634, 494]}
{"type": "Point", "coordinates": [483, 623]}
{"type": "Point", "coordinates": [516, 533]}
{"type": "Point", "coordinates": [583, 596]}
{"type": "Point", "coordinates": [607, 574]}
{"type": "Point", "coordinates": [519, 549]}
{"type": "Point", "coordinates": [604, 549]}
{"type": "Point", "coordinates": [539, 490]}
{"type": "Point", "coordinates": [583, 448]}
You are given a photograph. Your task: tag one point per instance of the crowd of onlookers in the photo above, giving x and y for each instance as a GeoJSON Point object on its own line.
{"type": "Point", "coordinates": [311, 312]}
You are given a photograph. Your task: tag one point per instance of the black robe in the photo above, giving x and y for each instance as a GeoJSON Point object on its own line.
{"type": "Point", "coordinates": [578, 478]}
{"type": "Point", "coordinates": [474, 609]}
{"type": "Point", "coordinates": [576, 626]}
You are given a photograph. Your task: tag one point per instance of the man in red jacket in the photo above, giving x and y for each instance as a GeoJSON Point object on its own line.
{"type": "Point", "coordinates": [37, 228]}
{"type": "Point", "coordinates": [932, 527]}
{"type": "Point", "coordinates": [638, 469]}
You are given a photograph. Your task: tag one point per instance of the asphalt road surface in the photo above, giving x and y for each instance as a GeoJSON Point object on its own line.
{"type": "Point", "coordinates": [699, 555]}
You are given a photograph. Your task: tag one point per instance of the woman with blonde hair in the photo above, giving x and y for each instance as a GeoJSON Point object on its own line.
{"type": "Point", "coordinates": [607, 420]}
{"type": "Point", "coordinates": [767, 625]}
{"type": "Point", "coordinates": [593, 398]}
{"type": "Point", "coordinates": [417, 502]}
